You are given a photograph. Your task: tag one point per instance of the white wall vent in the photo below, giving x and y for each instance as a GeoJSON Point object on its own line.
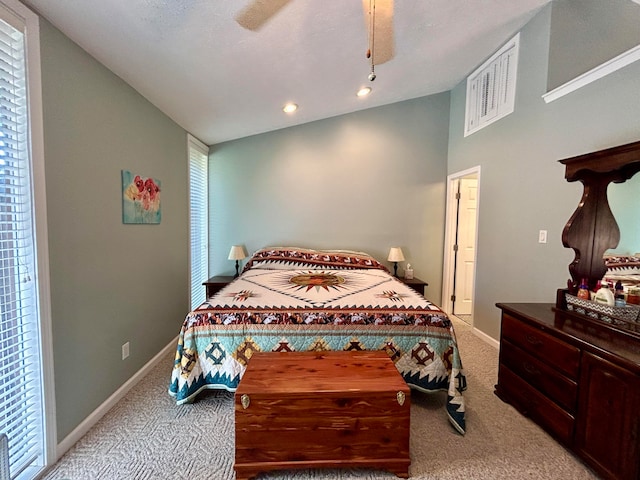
{"type": "Point", "coordinates": [491, 89]}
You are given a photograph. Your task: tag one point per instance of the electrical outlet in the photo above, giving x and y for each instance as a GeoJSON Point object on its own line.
{"type": "Point", "coordinates": [125, 350]}
{"type": "Point", "coordinates": [542, 236]}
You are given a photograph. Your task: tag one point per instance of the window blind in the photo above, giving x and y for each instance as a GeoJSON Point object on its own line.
{"type": "Point", "coordinates": [20, 375]}
{"type": "Point", "coordinates": [198, 219]}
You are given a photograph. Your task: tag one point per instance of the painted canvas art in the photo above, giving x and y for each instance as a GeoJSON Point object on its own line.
{"type": "Point", "coordinates": [140, 199]}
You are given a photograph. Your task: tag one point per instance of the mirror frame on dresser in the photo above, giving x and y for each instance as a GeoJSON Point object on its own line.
{"type": "Point", "coordinates": [592, 229]}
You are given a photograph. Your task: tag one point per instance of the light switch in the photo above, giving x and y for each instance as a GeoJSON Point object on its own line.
{"type": "Point", "coordinates": [542, 236]}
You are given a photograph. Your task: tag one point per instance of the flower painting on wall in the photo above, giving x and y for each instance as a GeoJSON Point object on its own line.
{"type": "Point", "coordinates": [140, 199]}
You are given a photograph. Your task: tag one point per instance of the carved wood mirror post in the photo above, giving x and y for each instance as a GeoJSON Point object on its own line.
{"type": "Point", "coordinates": [592, 229]}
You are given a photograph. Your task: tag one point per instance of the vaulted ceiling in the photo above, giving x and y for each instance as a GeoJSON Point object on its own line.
{"type": "Point", "coordinates": [221, 81]}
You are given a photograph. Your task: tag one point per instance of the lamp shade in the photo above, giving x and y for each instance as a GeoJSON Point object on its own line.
{"type": "Point", "coordinates": [395, 255]}
{"type": "Point", "coordinates": [237, 253]}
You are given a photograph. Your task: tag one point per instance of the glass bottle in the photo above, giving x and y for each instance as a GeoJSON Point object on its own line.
{"type": "Point", "coordinates": [583, 290]}
{"type": "Point", "coordinates": [619, 295]}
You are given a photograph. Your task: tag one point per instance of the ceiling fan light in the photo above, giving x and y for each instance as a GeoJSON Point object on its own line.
{"type": "Point", "coordinates": [363, 92]}
{"type": "Point", "coordinates": [290, 108]}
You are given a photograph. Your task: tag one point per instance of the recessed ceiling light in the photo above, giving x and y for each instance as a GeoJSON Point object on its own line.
{"type": "Point", "coordinates": [290, 108]}
{"type": "Point", "coordinates": [363, 92]}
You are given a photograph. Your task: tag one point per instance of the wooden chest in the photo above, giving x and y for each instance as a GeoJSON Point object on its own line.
{"type": "Point", "coordinates": [321, 409]}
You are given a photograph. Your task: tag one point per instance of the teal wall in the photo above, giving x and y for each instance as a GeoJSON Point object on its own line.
{"type": "Point", "coordinates": [110, 283]}
{"type": "Point", "coordinates": [523, 188]}
{"type": "Point", "coordinates": [367, 181]}
{"type": "Point", "coordinates": [587, 33]}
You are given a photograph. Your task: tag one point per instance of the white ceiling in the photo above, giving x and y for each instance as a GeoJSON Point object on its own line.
{"type": "Point", "coordinates": [220, 81]}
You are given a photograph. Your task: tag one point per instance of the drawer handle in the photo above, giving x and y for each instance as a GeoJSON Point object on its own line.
{"type": "Point", "coordinates": [530, 368]}
{"type": "Point", "coordinates": [535, 341]}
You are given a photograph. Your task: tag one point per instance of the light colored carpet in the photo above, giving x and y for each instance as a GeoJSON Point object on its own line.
{"type": "Point", "coordinates": [147, 436]}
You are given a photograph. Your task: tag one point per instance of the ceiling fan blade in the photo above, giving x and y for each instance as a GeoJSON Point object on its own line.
{"type": "Point", "coordinates": [384, 43]}
{"type": "Point", "coordinates": [259, 12]}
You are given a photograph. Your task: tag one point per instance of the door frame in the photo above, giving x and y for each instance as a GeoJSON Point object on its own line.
{"type": "Point", "coordinates": [448, 269]}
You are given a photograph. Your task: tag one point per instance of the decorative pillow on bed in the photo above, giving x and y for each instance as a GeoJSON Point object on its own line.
{"type": "Point", "coordinates": [286, 258]}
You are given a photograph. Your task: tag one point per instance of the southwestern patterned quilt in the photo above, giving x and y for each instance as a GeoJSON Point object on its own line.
{"type": "Point", "coordinates": [291, 299]}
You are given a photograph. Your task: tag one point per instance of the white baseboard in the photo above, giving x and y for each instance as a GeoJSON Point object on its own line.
{"type": "Point", "coordinates": [70, 440]}
{"type": "Point", "coordinates": [490, 340]}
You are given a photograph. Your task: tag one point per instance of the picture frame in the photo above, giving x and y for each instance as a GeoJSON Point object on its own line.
{"type": "Point", "coordinates": [140, 199]}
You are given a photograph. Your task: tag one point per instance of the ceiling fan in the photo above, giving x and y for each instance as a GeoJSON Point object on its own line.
{"type": "Point", "coordinates": [378, 17]}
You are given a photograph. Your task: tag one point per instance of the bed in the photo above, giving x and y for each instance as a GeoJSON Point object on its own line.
{"type": "Point", "coordinates": [625, 268]}
{"type": "Point", "coordinates": [295, 299]}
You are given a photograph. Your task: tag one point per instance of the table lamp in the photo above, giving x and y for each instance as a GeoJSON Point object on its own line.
{"type": "Point", "coordinates": [237, 253]}
{"type": "Point", "coordinates": [395, 256]}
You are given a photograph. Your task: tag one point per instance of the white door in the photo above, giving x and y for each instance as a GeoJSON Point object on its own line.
{"type": "Point", "coordinates": [465, 254]}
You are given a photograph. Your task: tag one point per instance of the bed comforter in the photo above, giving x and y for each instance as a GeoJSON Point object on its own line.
{"type": "Point", "coordinates": [299, 300]}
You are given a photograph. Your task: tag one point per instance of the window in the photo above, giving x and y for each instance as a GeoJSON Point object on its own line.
{"type": "Point", "coordinates": [491, 89]}
{"type": "Point", "coordinates": [198, 219]}
{"type": "Point", "coordinates": [25, 341]}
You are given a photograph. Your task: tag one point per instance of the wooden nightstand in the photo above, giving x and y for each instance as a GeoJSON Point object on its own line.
{"type": "Point", "coordinates": [415, 283]}
{"type": "Point", "coordinates": [214, 284]}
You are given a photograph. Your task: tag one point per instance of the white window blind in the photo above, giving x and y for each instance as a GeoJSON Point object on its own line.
{"type": "Point", "coordinates": [198, 219]}
{"type": "Point", "coordinates": [491, 89]}
{"type": "Point", "coordinates": [21, 392]}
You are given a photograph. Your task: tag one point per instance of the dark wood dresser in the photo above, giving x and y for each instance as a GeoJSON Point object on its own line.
{"type": "Point", "coordinates": [577, 378]}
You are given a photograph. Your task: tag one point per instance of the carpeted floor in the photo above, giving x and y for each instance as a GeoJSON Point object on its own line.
{"type": "Point", "coordinates": [147, 436]}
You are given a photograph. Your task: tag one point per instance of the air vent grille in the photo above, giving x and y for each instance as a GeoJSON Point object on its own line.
{"type": "Point", "coordinates": [491, 89]}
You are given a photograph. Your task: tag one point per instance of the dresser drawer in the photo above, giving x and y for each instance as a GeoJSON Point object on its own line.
{"type": "Point", "coordinates": [531, 403]}
{"type": "Point", "coordinates": [550, 350]}
{"type": "Point", "coordinates": [540, 375]}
